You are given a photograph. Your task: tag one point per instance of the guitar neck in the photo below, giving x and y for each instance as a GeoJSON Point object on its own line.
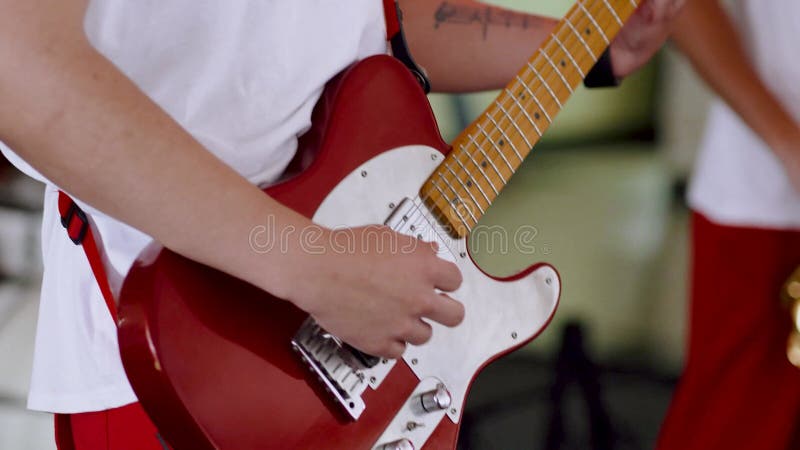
{"type": "Point", "coordinates": [492, 148]}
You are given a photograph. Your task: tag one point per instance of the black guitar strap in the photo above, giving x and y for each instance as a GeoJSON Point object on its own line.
{"type": "Point", "coordinates": [398, 43]}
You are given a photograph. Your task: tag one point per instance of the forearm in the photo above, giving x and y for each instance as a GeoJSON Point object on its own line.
{"type": "Point", "coordinates": [705, 34]}
{"type": "Point", "coordinates": [73, 116]}
{"type": "Point", "coordinates": [466, 45]}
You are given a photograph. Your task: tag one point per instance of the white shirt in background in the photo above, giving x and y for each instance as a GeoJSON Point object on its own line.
{"type": "Point", "coordinates": [738, 180]}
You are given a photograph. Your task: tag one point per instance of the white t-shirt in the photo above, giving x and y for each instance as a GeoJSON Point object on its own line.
{"type": "Point", "coordinates": [737, 179]}
{"type": "Point", "coordinates": [242, 77]}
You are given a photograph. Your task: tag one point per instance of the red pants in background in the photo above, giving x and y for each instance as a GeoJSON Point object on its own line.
{"type": "Point", "coordinates": [738, 390]}
{"type": "Point", "coordinates": [124, 428]}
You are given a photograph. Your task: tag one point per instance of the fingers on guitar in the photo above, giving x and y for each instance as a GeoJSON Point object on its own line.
{"type": "Point", "coordinates": [418, 333]}
{"type": "Point", "coordinates": [445, 310]}
{"type": "Point", "coordinates": [445, 275]}
{"type": "Point", "coordinates": [394, 350]}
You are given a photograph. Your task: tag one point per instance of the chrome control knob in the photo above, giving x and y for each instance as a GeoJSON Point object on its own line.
{"type": "Point", "coordinates": [402, 444]}
{"type": "Point", "coordinates": [436, 400]}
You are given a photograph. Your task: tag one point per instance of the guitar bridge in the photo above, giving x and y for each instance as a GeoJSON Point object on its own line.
{"type": "Point", "coordinates": [341, 371]}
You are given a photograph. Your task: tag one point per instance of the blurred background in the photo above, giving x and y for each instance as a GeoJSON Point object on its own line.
{"type": "Point", "coordinates": [604, 190]}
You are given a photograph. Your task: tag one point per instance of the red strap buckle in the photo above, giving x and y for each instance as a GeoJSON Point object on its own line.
{"type": "Point", "coordinates": [75, 221]}
{"type": "Point", "coordinates": [76, 229]}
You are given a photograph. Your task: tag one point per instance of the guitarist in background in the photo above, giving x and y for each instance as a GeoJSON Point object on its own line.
{"type": "Point", "coordinates": [166, 116]}
{"type": "Point", "coordinates": [738, 390]}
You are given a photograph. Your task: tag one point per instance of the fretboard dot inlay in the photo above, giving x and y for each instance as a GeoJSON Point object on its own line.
{"type": "Point", "coordinates": [493, 148]}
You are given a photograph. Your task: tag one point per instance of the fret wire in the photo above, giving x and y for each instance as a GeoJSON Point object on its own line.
{"type": "Point", "coordinates": [457, 198]}
{"type": "Point", "coordinates": [458, 213]}
{"type": "Point", "coordinates": [557, 71]}
{"type": "Point", "coordinates": [508, 163]}
{"type": "Point", "coordinates": [425, 217]}
{"type": "Point", "coordinates": [569, 55]}
{"type": "Point", "coordinates": [568, 21]}
{"type": "Point", "coordinates": [489, 160]}
{"type": "Point", "coordinates": [464, 186]}
{"type": "Point", "coordinates": [613, 13]}
{"type": "Point", "coordinates": [538, 103]}
{"type": "Point", "coordinates": [447, 183]}
{"type": "Point", "coordinates": [523, 110]}
{"type": "Point", "coordinates": [546, 86]}
{"type": "Point", "coordinates": [479, 166]}
{"type": "Point", "coordinates": [634, 4]}
{"type": "Point", "coordinates": [562, 46]}
{"type": "Point", "coordinates": [514, 124]}
{"type": "Point", "coordinates": [534, 97]}
{"type": "Point", "coordinates": [472, 180]}
{"type": "Point", "coordinates": [588, 49]}
{"type": "Point", "coordinates": [591, 18]}
{"type": "Point", "coordinates": [505, 136]}
{"type": "Point", "coordinates": [525, 113]}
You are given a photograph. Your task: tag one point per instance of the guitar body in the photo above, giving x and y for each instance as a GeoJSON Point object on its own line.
{"type": "Point", "coordinates": [211, 357]}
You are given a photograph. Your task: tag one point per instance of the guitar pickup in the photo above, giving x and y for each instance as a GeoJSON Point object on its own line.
{"type": "Point", "coordinates": [365, 359]}
{"type": "Point", "coordinates": [411, 219]}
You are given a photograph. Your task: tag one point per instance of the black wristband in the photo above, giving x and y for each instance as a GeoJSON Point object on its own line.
{"type": "Point", "coordinates": [602, 74]}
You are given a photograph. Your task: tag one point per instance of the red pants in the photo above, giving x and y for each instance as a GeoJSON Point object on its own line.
{"type": "Point", "coordinates": [124, 428]}
{"type": "Point", "coordinates": [738, 390]}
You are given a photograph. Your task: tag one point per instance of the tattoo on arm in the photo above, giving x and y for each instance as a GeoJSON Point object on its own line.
{"type": "Point", "coordinates": [483, 16]}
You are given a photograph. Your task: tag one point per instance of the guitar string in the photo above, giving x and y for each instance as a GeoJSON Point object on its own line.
{"type": "Point", "coordinates": [548, 76]}
{"type": "Point", "coordinates": [502, 103]}
{"type": "Point", "coordinates": [465, 148]}
{"type": "Point", "coordinates": [512, 120]}
{"type": "Point", "coordinates": [418, 214]}
{"type": "Point", "coordinates": [544, 74]}
{"type": "Point", "coordinates": [527, 73]}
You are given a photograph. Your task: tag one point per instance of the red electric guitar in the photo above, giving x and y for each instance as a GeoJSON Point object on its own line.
{"type": "Point", "coordinates": [219, 364]}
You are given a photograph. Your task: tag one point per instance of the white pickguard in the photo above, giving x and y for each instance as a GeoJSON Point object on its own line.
{"type": "Point", "coordinates": [499, 315]}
